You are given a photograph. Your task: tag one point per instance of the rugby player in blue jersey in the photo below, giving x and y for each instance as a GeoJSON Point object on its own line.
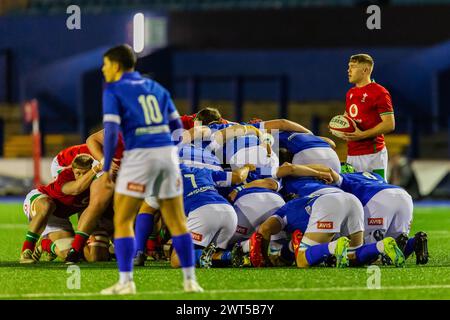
{"type": "Point", "coordinates": [211, 219]}
{"type": "Point", "coordinates": [320, 213]}
{"type": "Point", "coordinates": [143, 110]}
{"type": "Point", "coordinates": [307, 148]}
{"type": "Point", "coordinates": [388, 211]}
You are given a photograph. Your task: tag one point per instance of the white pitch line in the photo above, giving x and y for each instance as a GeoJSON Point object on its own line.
{"type": "Point", "coordinates": [92, 294]}
{"type": "Point", "coordinates": [13, 226]}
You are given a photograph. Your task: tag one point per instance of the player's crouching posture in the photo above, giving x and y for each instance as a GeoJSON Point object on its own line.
{"type": "Point", "coordinates": [388, 211]}
{"type": "Point", "coordinates": [48, 208]}
{"type": "Point", "coordinates": [144, 111]}
{"type": "Point", "coordinates": [321, 212]}
{"type": "Point", "coordinates": [100, 196]}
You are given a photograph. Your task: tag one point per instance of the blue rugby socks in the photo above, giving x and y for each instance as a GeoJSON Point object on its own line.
{"type": "Point", "coordinates": [409, 248]}
{"type": "Point", "coordinates": [184, 248]}
{"type": "Point", "coordinates": [143, 229]}
{"type": "Point", "coordinates": [317, 253]}
{"type": "Point", "coordinates": [125, 249]}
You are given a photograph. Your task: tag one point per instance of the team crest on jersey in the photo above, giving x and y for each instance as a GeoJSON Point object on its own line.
{"type": "Point", "coordinates": [375, 221]}
{"type": "Point", "coordinates": [241, 229]}
{"type": "Point", "coordinates": [325, 225]}
{"type": "Point", "coordinates": [365, 95]}
{"type": "Point", "coordinates": [132, 186]}
{"type": "Point", "coordinates": [351, 95]}
{"type": "Point", "coordinates": [197, 236]}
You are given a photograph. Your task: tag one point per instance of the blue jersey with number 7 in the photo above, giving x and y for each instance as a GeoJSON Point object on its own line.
{"type": "Point", "coordinates": [142, 108]}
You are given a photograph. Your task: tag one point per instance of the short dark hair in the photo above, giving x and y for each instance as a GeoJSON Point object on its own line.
{"type": "Point", "coordinates": [123, 55]}
{"type": "Point", "coordinates": [208, 115]}
{"type": "Point", "coordinates": [82, 161]}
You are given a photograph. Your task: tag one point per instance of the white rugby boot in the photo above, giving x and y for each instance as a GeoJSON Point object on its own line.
{"type": "Point", "coordinates": [120, 288]}
{"type": "Point", "coordinates": [192, 286]}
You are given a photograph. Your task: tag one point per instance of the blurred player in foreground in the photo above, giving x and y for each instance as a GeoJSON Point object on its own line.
{"type": "Point", "coordinates": [145, 113]}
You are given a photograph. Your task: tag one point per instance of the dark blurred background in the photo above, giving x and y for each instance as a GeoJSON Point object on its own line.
{"type": "Point", "coordinates": [249, 58]}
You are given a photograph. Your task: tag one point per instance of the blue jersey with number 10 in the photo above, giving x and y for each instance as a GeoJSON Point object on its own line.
{"type": "Point", "coordinates": [143, 108]}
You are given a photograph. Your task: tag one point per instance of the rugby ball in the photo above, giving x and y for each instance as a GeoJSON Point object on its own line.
{"type": "Point", "coordinates": [340, 124]}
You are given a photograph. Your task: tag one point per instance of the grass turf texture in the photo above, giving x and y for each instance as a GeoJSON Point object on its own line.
{"type": "Point", "coordinates": [48, 280]}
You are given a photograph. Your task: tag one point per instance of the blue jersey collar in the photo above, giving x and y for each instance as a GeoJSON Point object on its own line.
{"type": "Point", "coordinates": [134, 75]}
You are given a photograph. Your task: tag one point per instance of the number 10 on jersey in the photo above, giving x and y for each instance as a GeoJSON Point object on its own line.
{"type": "Point", "coordinates": [150, 106]}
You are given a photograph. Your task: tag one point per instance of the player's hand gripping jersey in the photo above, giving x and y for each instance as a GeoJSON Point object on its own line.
{"type": "Point", "coordinates": [365, 105]}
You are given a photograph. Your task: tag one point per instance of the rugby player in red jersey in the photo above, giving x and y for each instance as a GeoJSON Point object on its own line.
{"type": "Point", "coordinates": [49, 207]}
{"type": "Point", "coordinates": [100, 196]}
{"type": "Point", "coordinates": [369, 105]}
{"type": "Point", "coordinates": [65, 157]}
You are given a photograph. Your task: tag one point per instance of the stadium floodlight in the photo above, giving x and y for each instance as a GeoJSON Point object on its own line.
{"type": "Point", "coordinates": [138, 32]}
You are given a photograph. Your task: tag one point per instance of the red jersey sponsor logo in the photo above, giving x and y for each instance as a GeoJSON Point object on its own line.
{"type": "Point", "coordinates": [241, 230]}
{"type": "Point", "coordinates": [325, 225]}
{"type": "Point", "coordinates": [197, 236]}
{"type": "Point", "coordinates": [375, 221]}
{"type": "Point", "coordinates": [132, 186]}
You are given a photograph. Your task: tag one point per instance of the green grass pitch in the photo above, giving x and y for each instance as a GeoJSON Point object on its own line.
{"type": "Point", "coordinates": [48, 280]}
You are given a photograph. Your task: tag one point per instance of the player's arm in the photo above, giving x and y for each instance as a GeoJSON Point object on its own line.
{"type": "Point", "coordinates": [175, 123]}
{"type": "Point", "coordinates": [111, 122]}
{"type": "Point", "coordinates": [322, 168]}
{"type": "Point", "coordinates": [80, 185]}
{"type": "Point", "coordinates": [267, 183]}
{"type": "Point", "coordinates": [386, 125]}
{"type": "Point", "coordinates": [95, 144]}
{"type": "Point", "coordinates": [329, 141]}
{"type": "Point", "coordinates": [285, 125]}
{"type": "Point", "coordinates": [297, 170]}
{"type": "Point", "coordinates": [240, 175]}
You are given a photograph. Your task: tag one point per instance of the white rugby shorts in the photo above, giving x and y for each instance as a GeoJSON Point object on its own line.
{"type": "Point", "coordinates": [390, 210]}
{"type": "Point", "coordinates": [54, 223]}
{"type": "Point", "coordinates": [252, 210]}
{"type": "Point", "coordinates": [338, 212]}
{"type": "Point", "coordinates": [371, 162]}
{"type": "Point", "coordinates": [150, 172]}
{"type": "Point", "coordinates": [325, 156]}
{"type": "Point", "coordinates": [212, 221]}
